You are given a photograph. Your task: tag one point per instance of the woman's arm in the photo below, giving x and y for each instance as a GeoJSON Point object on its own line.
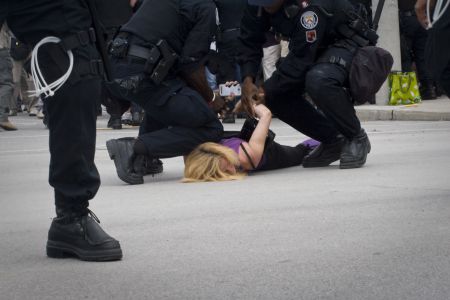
{"type": "Point", "coordinates": [255, 147]}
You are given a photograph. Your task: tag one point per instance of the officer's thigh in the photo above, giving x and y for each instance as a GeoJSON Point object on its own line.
{"type": "Point", "coordinates": [185, 108]}
{"type": "Point", "coordinates": [327, 79]}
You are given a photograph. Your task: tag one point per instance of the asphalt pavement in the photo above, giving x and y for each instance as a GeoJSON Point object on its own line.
{"type": "Point", "coordinates": [378, 232]}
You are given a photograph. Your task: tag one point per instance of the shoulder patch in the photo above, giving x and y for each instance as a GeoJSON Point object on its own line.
{"type": "Point", "coordinates": [309, 20]}
{"type": "Point", "coordinates": [311, 36]}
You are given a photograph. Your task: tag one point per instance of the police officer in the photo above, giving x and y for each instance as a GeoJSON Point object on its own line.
{"type": "Point", "coordinates": [321, 50]}
{"type": "Point", "coordinates": [413, 43]}
{"type": "Point", "coordinates": [438, 43]}
{"type": "Point", "coordinates": [72, 121]}
{"type": "Point", "coordinates": [157, 63]}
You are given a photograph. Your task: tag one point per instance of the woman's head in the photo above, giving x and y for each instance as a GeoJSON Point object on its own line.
{"type": "Point", "coordinates": [211, 162]}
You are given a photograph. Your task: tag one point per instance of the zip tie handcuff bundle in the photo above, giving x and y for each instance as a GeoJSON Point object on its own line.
{"type": "Point", "coordinates": [438, 11]}
{"type": "Point", "coordinates": [40, 85]}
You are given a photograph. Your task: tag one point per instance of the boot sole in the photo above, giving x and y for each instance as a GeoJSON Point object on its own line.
{"type": "Point", "coordinates": [111, 145]}
{"type": "Point", "coordinates": [63, 250]}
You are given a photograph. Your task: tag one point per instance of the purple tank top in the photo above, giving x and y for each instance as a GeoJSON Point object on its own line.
{"type": "Point", "coordinates": [232, 143]}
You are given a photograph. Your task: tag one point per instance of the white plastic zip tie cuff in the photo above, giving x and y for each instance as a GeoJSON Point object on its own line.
{"type": "Point", "coordinates": [40, 85]}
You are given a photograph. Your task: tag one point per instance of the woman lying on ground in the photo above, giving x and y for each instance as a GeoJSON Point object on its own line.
{"type": "Point", "coordinates": [233, 157]}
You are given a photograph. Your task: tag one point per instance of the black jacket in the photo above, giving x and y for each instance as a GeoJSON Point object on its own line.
{"type": "Point", "coordinates": [310, 31]}
{"type": "Point", "coordinates": [32, 20]}
{"type": "Point", "coordinates": [187, 25]}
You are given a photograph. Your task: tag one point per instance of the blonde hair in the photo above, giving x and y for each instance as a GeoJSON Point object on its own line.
{"type": "Point", "coordinates": [203, 164]}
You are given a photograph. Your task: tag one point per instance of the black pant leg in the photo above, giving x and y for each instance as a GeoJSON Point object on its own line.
{"type": "Point", "coordinates": [325, 84]}
{"type": "Point", "coordinates": [292, 108]}
{"type": "Point", "coordinates": [187, 120]}
{"type": "Point", "coordinates": [72, 115]}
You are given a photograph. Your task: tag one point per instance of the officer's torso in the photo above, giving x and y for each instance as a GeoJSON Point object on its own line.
{"type": "Point", "coordinates": [156, 20]}
{"type": "Point", "coordinates": [32, 20]}
{"type": "Point", "coordinates": [171, 20]}
{"type": "Point", "coordinates": [335, 9]}
{"type": "Point", "coordinates": [113, 13]}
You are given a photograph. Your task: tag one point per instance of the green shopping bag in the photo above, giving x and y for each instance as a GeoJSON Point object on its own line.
{"type": "Point", "coordinates": [404, 88]}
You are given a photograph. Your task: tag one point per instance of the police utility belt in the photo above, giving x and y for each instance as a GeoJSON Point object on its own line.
{"type": "Point", "coordinates": [158, 59]}
{"type": "Point", "coordinates": [78, 40]}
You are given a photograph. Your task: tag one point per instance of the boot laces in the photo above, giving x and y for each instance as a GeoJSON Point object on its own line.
{"type": "Point", "coordinates": [94, 216]}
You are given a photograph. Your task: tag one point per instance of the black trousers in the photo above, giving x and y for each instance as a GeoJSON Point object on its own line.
{"type": "Point", "coordinates": [292, 108]}
{"type": "Point", "coordinates": [326, 84]}
{"type": "Point", "coordinates": [177, 118]}
{"type": "Point", "coordinates": [72, 110]}
{"type": "Point", "coordinates": [72, 115]}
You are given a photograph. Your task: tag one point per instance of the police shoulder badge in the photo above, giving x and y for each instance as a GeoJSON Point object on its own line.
{"type": "Point", "coordinates": [311, 36]}
{"type": "Point", "coordinates": [309, 20]}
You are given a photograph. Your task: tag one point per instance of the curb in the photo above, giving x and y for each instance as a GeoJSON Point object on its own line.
{"type": "Point", "coordinates": [434, 110]}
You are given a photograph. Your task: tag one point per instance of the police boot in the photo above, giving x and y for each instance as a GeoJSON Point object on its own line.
{"type": "Point", "coordinates": [324, 154]}
{"type": "Point", "coordinates": [145, 165]}
{"type": "Point", "coordinates": [121, 151]}
{"type": "Point", "coordinates": [354, 152]}
{"type": "Point", "coordinates": [78, 234]}
{"type": "Point", "coordinates": [115, 122]}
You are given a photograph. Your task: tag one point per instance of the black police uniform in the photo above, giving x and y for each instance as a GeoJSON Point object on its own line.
{"type": "Point", "coordinates": [72, 120]}
{"type": "Point", "coordinates": [177, 117]}
{"type": "Point", "coordinates": [413, 42]}
{"type": "Point", "coordinates": [314, 42]}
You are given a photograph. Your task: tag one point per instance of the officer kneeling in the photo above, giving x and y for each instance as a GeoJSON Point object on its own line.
{"type": "Point", "coordinates": [324, 36]}
{"type": "Point", "coordinates": [157, 64]}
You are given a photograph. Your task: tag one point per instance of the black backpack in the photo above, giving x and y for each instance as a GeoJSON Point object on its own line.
{"type": "Point", "coordinates": [369, 69]}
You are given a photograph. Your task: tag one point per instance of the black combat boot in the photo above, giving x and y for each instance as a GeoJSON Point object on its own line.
{"type": "Point", "coordinates": [115, 122]}
{"type": "Point", "coordinates": [77, 233]}
{"type": "Point", "coordinates": [324, 154]}
{"type": "Point", "coordinates": [354, 152]}
{"type": "Point", "coordinates": [121, 151]}
{"type": "Point", "coordinates": [146, 165]}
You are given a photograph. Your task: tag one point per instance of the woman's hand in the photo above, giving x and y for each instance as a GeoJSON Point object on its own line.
{"type": "Point", "coordinates": [261, 111]}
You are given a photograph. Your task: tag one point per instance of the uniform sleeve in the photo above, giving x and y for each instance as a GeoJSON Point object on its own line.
{"type": "Point", "coordinates": [197, 43]}
{"type": "Point", "coordinates": [303, 46]}
{"type": "Point", "coordinates": [251, 40]}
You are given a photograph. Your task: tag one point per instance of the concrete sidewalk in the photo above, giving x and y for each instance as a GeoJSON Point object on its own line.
{"type": "Point", "coordinates": [429, 110]}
